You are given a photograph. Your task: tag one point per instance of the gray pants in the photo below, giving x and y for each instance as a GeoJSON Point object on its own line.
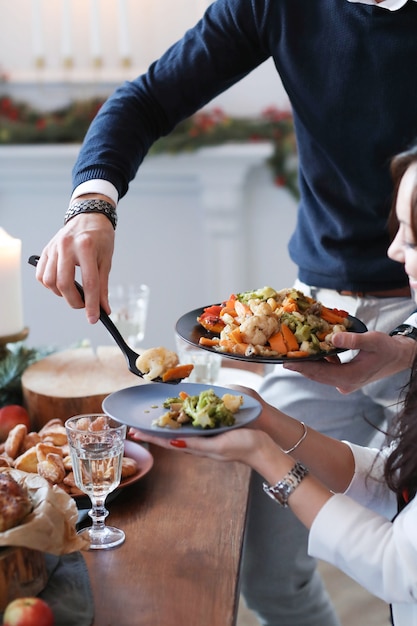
{"type": "Point", "coordinates": [280, 581]}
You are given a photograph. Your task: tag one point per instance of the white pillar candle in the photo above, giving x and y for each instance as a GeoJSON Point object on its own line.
{"type": "Point", "coordinates": [11, 311]}
{"type": "Point", "coordinates": [124, 45]}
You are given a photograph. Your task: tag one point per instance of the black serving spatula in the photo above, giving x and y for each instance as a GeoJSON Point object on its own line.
{"type": "Point", "coordinates": [130, 355]}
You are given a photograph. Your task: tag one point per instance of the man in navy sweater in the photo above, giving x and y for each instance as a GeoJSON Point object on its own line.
{"type": "Point", "coordinates": [348, 69]}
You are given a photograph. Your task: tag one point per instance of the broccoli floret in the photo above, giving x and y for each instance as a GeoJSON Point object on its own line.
{"type": "Point", "coordinates": [258, 294]}
{"type": "Point", "coordinates": [169, 401]}
{"type": "Point", "coordinates": [208, 410]}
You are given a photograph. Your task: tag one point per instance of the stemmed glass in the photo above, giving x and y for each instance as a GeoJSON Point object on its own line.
{"type": "Point", "coordinates": [97, 446]}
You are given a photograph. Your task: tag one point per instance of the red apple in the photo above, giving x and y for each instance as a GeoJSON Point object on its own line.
{"type": "Point", "coordinates": [11, 415]}
{"type": "Point", "coordinates": [28, 612]}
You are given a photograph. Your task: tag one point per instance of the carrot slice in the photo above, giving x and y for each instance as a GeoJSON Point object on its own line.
{"type": "Point", "coordinates": [277, 343]}
{"type": "Point", "coordinates": [178, 372]}
{"type": "Point", "coordinates": [289, 338]}
{"type": "Point", "coordinates": [297, 354]}
{"type": "Point", "coordinates": [331, 316]}
{"type": "Point", "coordinates": [234, 348]}
{"type": "Point", "coordinates": [227, 310]}
{"type": "Point", "coordinates": [289, 305]}
{"type": "Point", "coordinates": [183, 395]}
{"type": "Point", "coordinates": [236, 336]}
{"type": "Point", "coordinates": [209, 342]}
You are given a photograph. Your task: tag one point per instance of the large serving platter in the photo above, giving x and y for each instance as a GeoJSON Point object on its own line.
{"type": "Point", "coordinates": [191, 331]}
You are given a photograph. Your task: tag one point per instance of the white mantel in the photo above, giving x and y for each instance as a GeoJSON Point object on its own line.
{"type": "Point", "coordinates": [194, 226]}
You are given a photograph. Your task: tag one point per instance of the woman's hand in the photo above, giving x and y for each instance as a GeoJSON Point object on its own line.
{"type": "Point", "coordinates": [241, 444]}
{"type": "Point", "coordinates": [86, 241]}
{"type": "Point", "coordinates": [229, 446]}
{"type": "Point", "coordinates": [379, 356]}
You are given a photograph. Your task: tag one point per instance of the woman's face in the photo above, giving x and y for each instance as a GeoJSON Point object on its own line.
{"type": "Point", "coordinates": [404, 247]}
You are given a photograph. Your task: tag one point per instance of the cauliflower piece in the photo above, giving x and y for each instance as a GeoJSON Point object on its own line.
{"type": "Point", "coordinates": [232, 402]}
{"type": "Point", "coordinates": [260, 308]}
{"type": "Point", "coordinates": [154, 362]}
{"type": "Point", "coordinates": [259, 328]}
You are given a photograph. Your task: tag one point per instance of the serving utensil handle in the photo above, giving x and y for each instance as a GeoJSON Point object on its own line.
{"type": "Point", "coordinates": [130, 355]}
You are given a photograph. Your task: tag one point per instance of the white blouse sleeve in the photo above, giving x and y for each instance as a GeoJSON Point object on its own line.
{"type": "Point", "coordinates": [354, 532]}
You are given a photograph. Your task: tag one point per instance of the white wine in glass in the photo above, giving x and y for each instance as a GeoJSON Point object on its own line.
{"type": "Point", "coordinates": [97, 446]}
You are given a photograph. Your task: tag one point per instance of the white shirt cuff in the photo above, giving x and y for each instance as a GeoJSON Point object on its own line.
{"type": "Point", "coordinates": [97, 186]}
{"type": "Point", "coordinates": [412, 320]}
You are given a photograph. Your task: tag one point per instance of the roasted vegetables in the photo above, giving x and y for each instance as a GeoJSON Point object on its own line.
{"type": "Point", "coordinates": [206, 410]}
{"type": "Point", "coordinates": [266, 322]}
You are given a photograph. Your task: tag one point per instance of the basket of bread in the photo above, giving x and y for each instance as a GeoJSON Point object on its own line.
{"type": "Point", "coordinates": [37, 516]}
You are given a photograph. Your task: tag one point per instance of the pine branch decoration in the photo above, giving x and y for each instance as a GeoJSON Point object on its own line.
{"type": "Point", "coordinates": [15, 359]}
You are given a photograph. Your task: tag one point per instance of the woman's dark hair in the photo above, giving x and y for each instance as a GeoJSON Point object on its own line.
{"type": "Point", "coordinates": [399, 165]}
{"type": "Point", "coordinates": [401, 465]}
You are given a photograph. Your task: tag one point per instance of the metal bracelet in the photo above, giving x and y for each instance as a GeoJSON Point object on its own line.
{"type": "Point", "coordinates": [92, 205]}
{"type": "Point", "coordinates": [281, 491]}
{"type": "Point", "coordinates": [301, 439]}
{"type": "Point", "coordinates": [405, 330]}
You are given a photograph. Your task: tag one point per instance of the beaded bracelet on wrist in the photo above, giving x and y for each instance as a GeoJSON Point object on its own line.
{"type": "Point", "coordinates": [92, 205]}
{"type": "Point", "coordinates": [405, 330]}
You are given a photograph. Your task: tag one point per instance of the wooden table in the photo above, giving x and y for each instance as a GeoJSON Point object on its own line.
{"type": "Point", "coordinates": [179, 566]}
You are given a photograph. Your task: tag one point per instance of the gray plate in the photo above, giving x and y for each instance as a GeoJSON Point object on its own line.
{"type": "Point", "coordinates": [139, 406]}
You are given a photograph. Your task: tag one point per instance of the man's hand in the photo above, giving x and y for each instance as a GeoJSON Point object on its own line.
{"type": "Point", "coordinates": [380, 356]}
{"type": "Point", "coordinates": [86, 241]}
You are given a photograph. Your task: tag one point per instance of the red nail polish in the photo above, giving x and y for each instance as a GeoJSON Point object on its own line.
{"type": "Point", "coordinates": [178, 443]}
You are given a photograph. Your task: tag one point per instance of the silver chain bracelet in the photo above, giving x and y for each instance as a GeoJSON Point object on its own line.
{"type": "Point", "coordinates": [92, 205]}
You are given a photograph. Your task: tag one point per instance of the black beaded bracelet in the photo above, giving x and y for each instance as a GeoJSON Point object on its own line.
{"type": "Point", "coordinates": [92, 205]}
{"type": "Point", "coordinates": [406, 330]}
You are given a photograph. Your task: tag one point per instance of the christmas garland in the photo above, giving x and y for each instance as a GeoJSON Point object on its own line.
{"type": "Point", "coordinates": [21, 124]}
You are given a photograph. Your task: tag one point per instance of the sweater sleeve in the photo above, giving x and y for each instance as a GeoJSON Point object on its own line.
{"type": "Point", "coordinates": [358, 536]}
{"type": "Point", "coordinates": [222, 48]}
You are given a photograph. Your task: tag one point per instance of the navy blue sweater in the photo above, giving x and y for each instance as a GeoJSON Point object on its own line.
{"type": "Point", "coordinates": [350, 71]}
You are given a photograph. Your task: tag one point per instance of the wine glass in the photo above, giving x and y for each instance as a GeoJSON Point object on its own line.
{"type": "Point", "coordinates": [97, 446]}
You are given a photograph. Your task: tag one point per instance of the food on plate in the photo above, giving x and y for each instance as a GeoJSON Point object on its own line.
{"type": "Point", "coordinates": [11, 415]}
{"type": "Point", "coordinates": [205, 410]}
{"type": "Point", "coordinates": [15, 503]}
{"type": "Point", "coordinates": [163, 363]}
{"type": "Point", "coordinates": [129, 467]}
{"type": "Point", "coordinates": [272, 323]}
{"type": "Point", "coordinates": [47, 453]}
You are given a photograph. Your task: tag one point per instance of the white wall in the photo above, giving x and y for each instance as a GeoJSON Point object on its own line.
{"type": "Point", "coordinates": [149, 32]}
{"type": "Point", "coordinates": [193, 242]}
